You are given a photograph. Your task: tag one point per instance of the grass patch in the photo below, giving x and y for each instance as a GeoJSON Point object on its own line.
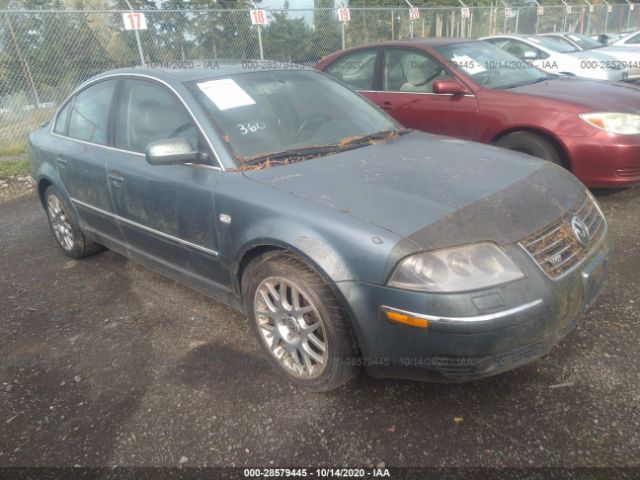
{"type": "Point", "coordinates": [9, 169]}
{"type": "Point", "coordinates": [13, 149]}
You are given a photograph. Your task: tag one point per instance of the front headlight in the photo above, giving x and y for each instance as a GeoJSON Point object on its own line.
{"type": "Point", "coordinates": [612, 122]}
{"type": "Point", "coordinates": [457, 269]}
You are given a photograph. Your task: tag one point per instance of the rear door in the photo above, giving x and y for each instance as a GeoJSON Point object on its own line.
{"type": "Point", "coordinates": [407, 94]}
{"type": "Point", "coordinates": [83, 130]}
{"type": "Point", "coordinates": [166, 212]}
{"type": "Point", "coordinates": [358, 71]}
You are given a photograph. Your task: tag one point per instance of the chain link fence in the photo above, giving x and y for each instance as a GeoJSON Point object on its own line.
{"type": "Point", "coordinates": [45, 54]}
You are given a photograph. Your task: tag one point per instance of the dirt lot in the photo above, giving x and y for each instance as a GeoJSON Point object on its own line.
{"type": "Point", "coordinates": [107, 363]}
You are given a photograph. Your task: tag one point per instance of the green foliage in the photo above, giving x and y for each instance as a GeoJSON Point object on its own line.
{"type": "Point", "coordinates": [9, 169]}
{"type": "Point", "coordinates": [287, 39]}
{"type": "Point", "coordinates": [326, 31]}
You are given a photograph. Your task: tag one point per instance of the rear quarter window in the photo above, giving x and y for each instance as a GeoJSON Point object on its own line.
{"type": "Point", "coordinates": [62, 120]}
{"type": "Point", "coordinates": [89, 120]}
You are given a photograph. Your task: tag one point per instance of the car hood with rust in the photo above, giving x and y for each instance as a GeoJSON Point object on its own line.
{"type": "Point", "coordinates": [586, 94]}
{"type": "Point", "coordinates": [436, 191]}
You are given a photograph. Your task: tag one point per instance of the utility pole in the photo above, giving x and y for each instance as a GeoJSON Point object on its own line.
{"type": "Point", "coordinates": [588, 16]}
{"type": "Point", "coordinates": [537, 17]}
{"type": "Point", "coordinates": [411, 21]}
{"type": "Point", "coordinates": [629, 15]}
{"type": "Point", "coordinates": [259, 33]}
{"type": "Point", "coordinates": [463, 32]}
{"type": "Point", "coordinates": [137, 38]}
{"type": "Point", "coordinates": [504, 26]}
{"type": "Point", "coordinates": [27, 70]}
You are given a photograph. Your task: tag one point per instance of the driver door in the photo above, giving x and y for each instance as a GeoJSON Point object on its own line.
{"type": "Point", "coordinates": [407, 95]}
{"type": "Point", "coordinates": [166, 212]}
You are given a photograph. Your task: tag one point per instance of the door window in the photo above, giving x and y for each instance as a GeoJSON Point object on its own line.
{"type": "Point", "coordinates": [150, 113]}
{"type": "Point", "coordinates": [89, 118]}
{"type": "Point", "coordinates": [411, 71]}
{"type": "Point", "coordinates": [357, 70]}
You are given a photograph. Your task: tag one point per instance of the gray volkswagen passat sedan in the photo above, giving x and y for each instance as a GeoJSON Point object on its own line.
{"type": "Point", "coordinates": [347, 240]}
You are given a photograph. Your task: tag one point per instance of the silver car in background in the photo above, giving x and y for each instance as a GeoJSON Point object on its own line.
{"type": "Point", "coordinates": [626, 57]}
{"type": "Point", "coordinates": [555, 57]}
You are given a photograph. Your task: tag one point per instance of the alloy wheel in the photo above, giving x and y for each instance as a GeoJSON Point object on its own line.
{"type": "Point", "coordinates": [291, 327]}
{"type": "Point", "coordinates": [59, 222]}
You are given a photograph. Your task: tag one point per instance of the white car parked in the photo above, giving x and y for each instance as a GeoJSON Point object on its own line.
{"type": "Point", "coordinates": [555, 57]}
{"type": "Point", "coordinates": [626, 57]}
{"type": "Point", "coordinates": [628, 40]}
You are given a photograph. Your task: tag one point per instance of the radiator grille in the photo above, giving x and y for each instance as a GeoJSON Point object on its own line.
{"type": "Point", "coordinates": [556, 248]}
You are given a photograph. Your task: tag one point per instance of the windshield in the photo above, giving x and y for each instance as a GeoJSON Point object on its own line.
{"type": "Point", "coordinates": [491, 66]}
{"type": "Point", "coordinates": [262, 114]}
{"type": "Point", "coordinates": [552, 44]}
{"type": "Point", "coordinates": [584, 41]}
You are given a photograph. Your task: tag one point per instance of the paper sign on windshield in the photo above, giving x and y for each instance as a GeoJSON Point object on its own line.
{"type": "Point", "coordinates": [226, 94]}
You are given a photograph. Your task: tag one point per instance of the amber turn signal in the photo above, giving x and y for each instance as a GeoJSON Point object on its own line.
{"type": "Point", "coordinates": [396, 317]}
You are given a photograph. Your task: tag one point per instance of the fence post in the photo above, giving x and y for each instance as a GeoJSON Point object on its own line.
{"type": "Point", "coordinates": [260, 41]}
{"type": "Point", "coordinates": [137, 38]}
{"type": "Point", "coordinates": [393, 15]}
{"type": "Point", "coordinates": [504, 13]}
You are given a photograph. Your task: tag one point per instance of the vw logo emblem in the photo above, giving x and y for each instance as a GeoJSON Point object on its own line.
{"type": "Point", "coordinates": [580, 230]}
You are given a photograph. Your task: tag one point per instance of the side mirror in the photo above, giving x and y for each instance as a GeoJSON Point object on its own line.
{"type": "Point", "coordinates": [173, 151]}
{"type": "Point", "coordinates": [451, 87]}
{"type": "Point", "coordinates": [530, 55]}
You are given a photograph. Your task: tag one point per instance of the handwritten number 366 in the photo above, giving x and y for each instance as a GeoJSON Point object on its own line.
{"type": "Point", "coordinates": [246, 128]}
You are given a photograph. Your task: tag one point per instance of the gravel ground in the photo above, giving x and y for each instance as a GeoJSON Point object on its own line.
{"type": "Point", "coordinates": [107, 363]}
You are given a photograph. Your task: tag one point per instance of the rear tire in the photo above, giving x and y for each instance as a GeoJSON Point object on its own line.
{"type": "Point", "coordinates": [298, 322]}
{"type": "Point", "coordinates": [531, 144]}
{"type": "Point", "coordinates": [65, 227]}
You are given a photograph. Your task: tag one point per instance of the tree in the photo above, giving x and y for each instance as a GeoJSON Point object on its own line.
{"type": "Point", "coordinates": [287, 39]}
{"type": "Point", "coordinates": [326, 35]}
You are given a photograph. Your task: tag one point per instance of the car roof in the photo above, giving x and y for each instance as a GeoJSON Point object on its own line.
{"type": "Point", "coordinates": [511, 35]}
{"type": "Point", "coordinates": [424, 41]}
{"type": "Point", "coordinates": [200, 69]}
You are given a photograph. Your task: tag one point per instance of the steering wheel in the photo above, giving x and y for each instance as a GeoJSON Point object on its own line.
{"type": "Point", "coordinates": [484, 78]}
{"type": "Point", "coordinates": [319, 118]}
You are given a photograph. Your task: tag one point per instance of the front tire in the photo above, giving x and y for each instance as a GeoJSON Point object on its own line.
{"type": "Point", "coordinates": [65, 227]}
{"type": "Point", "coordinates": [531, 144]}
{"type": "Point", "coordinates": [298, 322]}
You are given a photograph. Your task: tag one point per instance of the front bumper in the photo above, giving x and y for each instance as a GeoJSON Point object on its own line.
{"type": "Point", "coordinates": [612, 75]}
{"type": "Point", "coordinates": [474, 334]}
{"type": "Point", "coordinates": [604, 159]}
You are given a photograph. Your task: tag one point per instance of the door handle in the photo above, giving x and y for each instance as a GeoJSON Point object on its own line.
{"type": "Point", "coordinates": [116, 178]}
{"type": "Point", "coordinates": [386, 106]}
{"type": "Point", "coordinates": [61, 161]}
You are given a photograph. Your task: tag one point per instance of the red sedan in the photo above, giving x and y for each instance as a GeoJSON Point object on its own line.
{"type": "Point", "coordinates": [476, 91]}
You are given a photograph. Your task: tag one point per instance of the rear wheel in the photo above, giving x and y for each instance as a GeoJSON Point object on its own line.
{"type": "Point", "coordinates": [298, 322]}
{"type": "Point", "coordinates": [65, 227]}
{"type": "Point", "coordinates": [531, 144]}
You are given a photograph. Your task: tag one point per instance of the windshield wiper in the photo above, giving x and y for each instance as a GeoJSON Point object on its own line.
{"type": "Point", "coordinates": [368, 139]}
{"type": "Point", "coordinates": [348, 143]}
{"type": "Point", "coordinates": [293, 152]}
